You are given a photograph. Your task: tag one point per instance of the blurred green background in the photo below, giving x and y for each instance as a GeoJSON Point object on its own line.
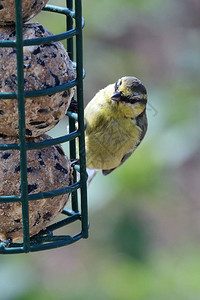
{"type": "Point", "coordinates": [144, 241]}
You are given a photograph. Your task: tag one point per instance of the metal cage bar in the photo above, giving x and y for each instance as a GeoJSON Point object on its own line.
{"type": "Point", "coordinates": [46, 238]}
{"type": "Point", "coordinates": [72, 127]}
{"type": "Point", "coordinates": [83, 174]}
{"type": "Point", "coordinates": [21, 111]}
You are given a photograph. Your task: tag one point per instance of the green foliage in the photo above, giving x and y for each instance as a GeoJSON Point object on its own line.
{"type": "Point", "coordinates": [117, 277]}
{"type": "Point", "coordinates": [130, 235]}
{"type": "Point", "coordinates": [141, 173]}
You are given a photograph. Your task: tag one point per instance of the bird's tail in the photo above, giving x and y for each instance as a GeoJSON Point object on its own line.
{"type": "Point", "coordinates": [91, 173]}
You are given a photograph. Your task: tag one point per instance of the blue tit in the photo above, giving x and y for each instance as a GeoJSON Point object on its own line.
{"type": "Point", "coordinates": [116, 123]}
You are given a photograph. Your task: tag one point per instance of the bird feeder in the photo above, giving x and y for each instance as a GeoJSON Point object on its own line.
{"type": "Point", "coordinates": [49, 237]}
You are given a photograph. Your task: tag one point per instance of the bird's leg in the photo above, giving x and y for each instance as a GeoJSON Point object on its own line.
{"type": "Point", "coordinates": [74, 161]}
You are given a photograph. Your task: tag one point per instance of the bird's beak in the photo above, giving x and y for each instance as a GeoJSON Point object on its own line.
{"type": "Point", "coordinates": [116, 97]}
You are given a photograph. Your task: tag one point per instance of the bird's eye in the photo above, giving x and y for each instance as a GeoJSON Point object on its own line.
{"type": "Point", "coordinates": [135, 94]}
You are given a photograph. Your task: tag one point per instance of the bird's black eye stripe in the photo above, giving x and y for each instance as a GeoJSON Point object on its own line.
{"type": "Point", "coordinates": [141, 101]}
{"type": "Point", "coordinates": [129, 99]}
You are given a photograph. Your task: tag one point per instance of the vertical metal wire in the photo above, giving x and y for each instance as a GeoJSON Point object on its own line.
{"type": "Point", "coordinates": [83, 174]}
{"type": "Point", "coordinates": [21, 110]}
{"type": "Point", "coordinates": [70, 49]}
{"type": "Point", "coordinates": [69, 4]}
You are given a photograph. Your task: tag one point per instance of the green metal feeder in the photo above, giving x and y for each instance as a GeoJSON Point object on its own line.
{"type": "Point", "coordinates": [48, 239]}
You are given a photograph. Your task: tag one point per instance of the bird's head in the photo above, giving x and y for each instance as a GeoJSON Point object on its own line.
{"type": "Point", "coordinates": [130, 92]}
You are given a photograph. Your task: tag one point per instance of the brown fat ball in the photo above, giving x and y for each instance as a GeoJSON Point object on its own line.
{"type": "Point", "coordinates": [30, 8]}
{"type": "Point", "coordinates": [45, 66]}
{"type": "Point", "coordinates": [47, 169]}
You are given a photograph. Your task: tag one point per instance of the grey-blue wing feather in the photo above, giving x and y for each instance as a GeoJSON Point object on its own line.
{"type": "Point", "coordinates": [125, 157]}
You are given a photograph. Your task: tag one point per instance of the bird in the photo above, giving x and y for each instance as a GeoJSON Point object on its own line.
{"type": "Point", "coordinates": [116, 123]}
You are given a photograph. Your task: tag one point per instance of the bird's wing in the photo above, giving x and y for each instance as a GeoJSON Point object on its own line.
{"type": "Point", "coordinates": [125, 157]}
